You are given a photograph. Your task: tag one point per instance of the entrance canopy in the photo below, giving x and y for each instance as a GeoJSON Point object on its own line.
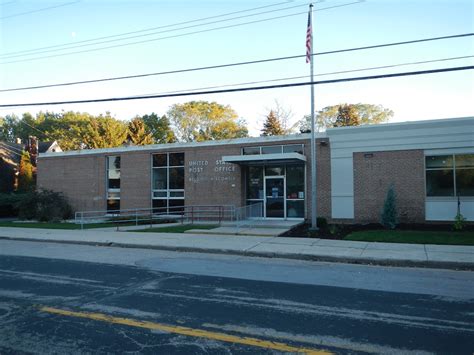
{"type": "Point", "coordinates": [265, 158]}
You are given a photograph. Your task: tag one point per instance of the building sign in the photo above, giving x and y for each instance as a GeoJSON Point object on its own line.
{"type": "Point", "coordinates": [217, 170]}
{"type": "Point", "coordinates": [197, 166]}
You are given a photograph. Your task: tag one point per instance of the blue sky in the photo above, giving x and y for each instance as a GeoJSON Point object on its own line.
{"type": "Point", "coordinates": [30, 24]}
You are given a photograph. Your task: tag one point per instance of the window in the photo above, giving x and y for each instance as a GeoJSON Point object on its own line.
{"type": "Point", "coordinates": [275, 170]}
{"type": "Point", "coordinates": [113, 183]}
{"type": "Point", "coordinates": [255, 183]}
{"type": "Point", "coordinates": [450, 175]}
{"type": "Point", "coordinates": [294, 148]}
{"type": "Point", "coordinates": [295, 192]}
{"type": "Point", "coordinates": [274, 149]}
{"type": "Point", "coordinates": [168, 182]}
{"type": "Point", "coordinates": [251, 150]}
{"type": "Point", "coordinates": [255, 193]}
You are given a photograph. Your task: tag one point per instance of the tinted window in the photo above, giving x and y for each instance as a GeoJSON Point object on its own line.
{"type": "Point", "coordinates": [273, 149]}
{"type": "Point", "coordinates": [176, 178]}
{"type": "Point", "coordinates": [294, 148]}
{"type": "Point", "coordinates": [295, 182]}
{"type": "Point", "coordinates": [439, 183]}
{"type": "Point", "coordinates": [255, 182]}
{"type": "Point", "coordinates": [114, 184]}
{"type": "Point", "coordinates": [176, 159]}
{"type": "Point", "coordinates": [465, 161]}
{"type": "Point", "coordinates": [440, 161]}
{"type": "Point", "coordinates": [160, 160]}
{"type": "Point", "coordinates": [160, 181]}
{"type": "Point", "coordinates": [465, 182]}
{"type": "Point", "coordinates": [251, 150]}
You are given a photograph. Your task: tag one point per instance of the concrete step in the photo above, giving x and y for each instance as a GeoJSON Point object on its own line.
{"type": "Point", "coordinates": [260, 231]}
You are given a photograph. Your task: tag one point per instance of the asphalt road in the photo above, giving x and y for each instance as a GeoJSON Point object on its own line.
{"type": "Point", "coordinates": [71, 299]}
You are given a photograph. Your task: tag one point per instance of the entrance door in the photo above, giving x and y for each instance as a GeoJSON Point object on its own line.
{"type": "Point", "coordinates": [275, 197]}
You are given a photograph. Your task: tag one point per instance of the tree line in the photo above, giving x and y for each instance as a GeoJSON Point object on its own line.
{"type": "Point", "coordinates": [191, 121]}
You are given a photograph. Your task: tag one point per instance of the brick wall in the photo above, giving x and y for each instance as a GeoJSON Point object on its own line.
{"type": "Point", "coordinates": [373, 174]}
{"type": "Point", "coordinates": [208, 181]}
{"type": "Point", "coordinates": [323, 178]}
{"type": "Point", "coordinates": [135, 180]}
{"type": "Point", "coordinates": [80, 178]}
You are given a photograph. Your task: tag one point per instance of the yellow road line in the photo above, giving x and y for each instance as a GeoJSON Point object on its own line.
{"type": "Point", "coordinates": [186, 331]}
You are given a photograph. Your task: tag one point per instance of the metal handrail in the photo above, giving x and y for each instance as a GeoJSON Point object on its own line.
{"type": "Point", "coordinates": [245, 215]}
{"type": "Point", "coordinates": [192, 214]}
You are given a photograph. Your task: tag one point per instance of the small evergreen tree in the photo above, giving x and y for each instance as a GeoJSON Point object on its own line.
{"type": "Point", "coordinates": [272, 126]}
{"type": "Point", "coordinates": [25, 175]}
{"type": "Point", "coordinates": [389, 213]}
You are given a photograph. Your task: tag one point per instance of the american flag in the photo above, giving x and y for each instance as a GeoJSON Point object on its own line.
{"type": "Point", "coordinates": [309, 34]}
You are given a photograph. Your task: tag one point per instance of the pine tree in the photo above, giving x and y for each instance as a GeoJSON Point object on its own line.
{"type": "Point", "coordinates": [389, 213]}
{"type": "Point", "coordinates": [137, 133]}
{"type": "Point", "coordinates": [25, 175]}
{"type": "Point", "coordinates": [272, 126]}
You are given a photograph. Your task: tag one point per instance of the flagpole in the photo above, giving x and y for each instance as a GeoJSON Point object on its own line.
{"type": "Point", "coordinates": [314, 224]}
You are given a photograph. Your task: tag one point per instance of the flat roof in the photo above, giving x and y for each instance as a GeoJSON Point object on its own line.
{"type": "Point", "coordinates": [173, 146]}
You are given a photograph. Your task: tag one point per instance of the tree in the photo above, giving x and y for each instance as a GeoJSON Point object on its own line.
{"type": "Point", "coordinates": [272, 126]}
{"type": "Point", "coordinates": [104, 132]}
{"type": "Point", "coordinates": [367, 113]}
{"type": "Point", "coordinates": [202, 120]}
{"type": "Point", "coordinates": [25, 174]}
{"type": "Point", "coordinates": [284, 116]}
{"type": "Point", "coordinates": [137, 134]}
{"type": "Point", "coordinates": [68, 128]}
{"type": "Point", "coordinates": [27, 127]}
{"type": "Point", "coordinates": [389, 212]}
{"type": "Point", "coordinates": [347, 116]}
{"type": "Point", "coordinates": [159, 128]}
{"type": "Point", "coordinates": [9, 128]}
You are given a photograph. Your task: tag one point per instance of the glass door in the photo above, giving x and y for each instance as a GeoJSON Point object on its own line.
{"type": "Point", "coordinates": [275, 197]}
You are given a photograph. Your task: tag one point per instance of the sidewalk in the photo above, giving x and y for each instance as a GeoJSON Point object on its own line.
{"type": "Point", "coordinates": [437, 256]}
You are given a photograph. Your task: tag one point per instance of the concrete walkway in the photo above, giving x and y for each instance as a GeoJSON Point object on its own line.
{"type": "Point", "coordinates": [454, 257]}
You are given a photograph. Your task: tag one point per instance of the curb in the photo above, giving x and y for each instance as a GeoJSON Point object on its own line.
{"type": "Point", "coordinates": [464, 266]}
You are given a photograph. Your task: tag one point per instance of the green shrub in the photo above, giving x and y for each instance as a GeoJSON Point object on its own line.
{"type": "Point", "coordinates": [44, 206]}
{"type": "Point", "coordinates": [8, 204]}
{"type": "Point", "coordinates": [459, 222]}
{"type": "Point", "coordinates": [389, 213]}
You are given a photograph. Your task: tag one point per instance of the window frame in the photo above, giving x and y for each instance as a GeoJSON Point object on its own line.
{"type": "Point", "coordinates": [454, 168]}
{"type": "Point", "coordinates": [281, 146]}
{"type": "Point", "coordinates": [167, 192]}
{"type": "Point", "coordinates": [115, 191]}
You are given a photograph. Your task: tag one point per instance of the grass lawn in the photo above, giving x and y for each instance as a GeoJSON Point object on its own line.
{"type": "Point", "coordinates": [177, 229]}
{"type": "Point", "coordinates": [414, 237]}
{"type": "Point", "coordinates": [47, 225]}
